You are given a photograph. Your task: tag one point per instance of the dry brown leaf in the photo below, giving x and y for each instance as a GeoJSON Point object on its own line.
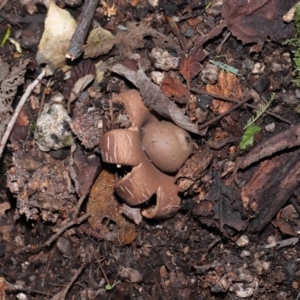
{"type": "Point", "coordinates": [284, 227]}
{"type": "Point", "coordinates": [190, 66]}
{"type": "Point", "coordinates": [229, 86]}
{"type": "Point", "coordinates": [105, 209]}
{"type": "Point", "coordinates": [173, 87]}
{"type": "Point", "coordinates": [257, 20]}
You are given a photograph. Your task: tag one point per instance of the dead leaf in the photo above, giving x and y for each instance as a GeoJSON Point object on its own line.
{"type": "Point", "coordinates": [84, 167]}
{"type": "Point", "coordinates": [59, 29]}
{"type": "Point", "coordinates": [229, 86]}
{"type": "Point", "coordinates": [132, 213]}
{"type": "Point", "coordinates": [172, 87]}
{"type": "Point", "coordinates": [154, 99]}
{"type": "Point", "coordinates": [284, 227]}
{"type": "Point", "coordinates": [105, 210]}
{"type": "Point", "coordinates": [255, 21]}
{"type": "Point", "coordinates": [81, 76]}
{"type": "Point", "coordinates": [190, 66]}
{"type": "Point", "coordinates": [126, 41]}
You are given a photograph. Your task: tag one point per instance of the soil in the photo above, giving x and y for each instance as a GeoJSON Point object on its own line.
{"type": "Point", "coordinates": [206, 66]}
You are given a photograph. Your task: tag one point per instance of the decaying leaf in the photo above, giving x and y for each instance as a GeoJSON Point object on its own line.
{"type": "Point", "coordinates": [154, 98]}
{"type": "Point", "coordinates": [254, 21]}
{"type": "Point", "coordinates": [193, 168]}
{"type": "Point", "coordinates": [126, 41]}
{"type": "Point", "coordinates": [59, 28]}
{"type": "Point", "coordinates": [173, 87]}
{"type": "Point", "coordinates": [284, 227]}
{"type": "Point", "coordinates": [84, 167]}
{"type": "Point", "coordinates": [9, 84]}
{"type": "Point", "coordinates": [81, 76]}
{"type": "Point", "coordinates": [106, 213]}
{"type": "Point", "coordinates": [100, 38]}
{"type": "Point", "coordinates": [132, 213]}
{"type": "Point", "coordinates": [190, 66]}
{"type": "Point", "coordinates": [41, 185]}
{"type": "Point", "coordinates": [229, 86]}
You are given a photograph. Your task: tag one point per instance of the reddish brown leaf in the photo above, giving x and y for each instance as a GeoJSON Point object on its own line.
{"type": "Point", "coordinates": [172, 87]}
{"type": "Point", "coordinates": [84, 169]}
{"type": "Point", "coordinates": [190, 66]}
{"type": "Point", "coordinates": [256, 20]}
{"type": "Point", "coordinates": [284, 227]}
{"type": "Point", "coordinates": [229, 86]}
{"type": "Point", "coordinates": [106, 213]}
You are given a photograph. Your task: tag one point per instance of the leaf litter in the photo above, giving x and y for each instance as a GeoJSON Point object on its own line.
{"type": "Point", "coordinates": [207, 192]}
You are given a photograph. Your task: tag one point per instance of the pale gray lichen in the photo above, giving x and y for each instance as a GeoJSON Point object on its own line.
{"type": "Point", "coordinates": [53, 126]}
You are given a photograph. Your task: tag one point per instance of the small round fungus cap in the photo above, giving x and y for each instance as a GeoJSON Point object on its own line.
{"type": "Point", "coordinates": [167, 145]}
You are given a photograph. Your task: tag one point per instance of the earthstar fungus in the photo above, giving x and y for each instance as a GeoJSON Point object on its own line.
{"type": "Point", "coordinates": [148, 139]}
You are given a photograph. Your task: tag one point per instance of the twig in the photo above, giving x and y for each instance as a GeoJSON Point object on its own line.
{"type": "Point", "coordinates": [14, 118]}
{"type": "Point", "coordinates": [9, 19]}
{"type": "Point", "coordinates": [62, 295]}
{"type": "Point", "coordinates": [85, 19]}
{"type": "Point", "coordinates": [216, 119]}
{"type": "Point", "coordinates": [217, 96]}
{"type": "Point", "coordinates": [35, 250]}
{"type": "Point", "coordinates": [78, 206]}
{"type": "Point", "coordinates": [4, 2]}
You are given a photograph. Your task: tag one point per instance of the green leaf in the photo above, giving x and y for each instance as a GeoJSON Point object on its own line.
{"type": "Point", "coordinates": [248, 137]}
{"type": "Point", "coordinates": [6, 37]}
{"type": "Point", "coordinates": [109, 287]}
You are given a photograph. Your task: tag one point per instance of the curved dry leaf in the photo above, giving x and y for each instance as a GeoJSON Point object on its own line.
{"type": "Point", "coordinates": [59, 28]}
{"type": "Point", "coordinates": [105, 209]}
{"type": "Point", "coordinates": [255, 21]}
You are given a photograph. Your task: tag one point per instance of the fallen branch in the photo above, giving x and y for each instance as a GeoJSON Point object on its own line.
{"type": "Point", "coordinates": [78, 39]}
{"type": "Point", "coordinates": [14, 118]}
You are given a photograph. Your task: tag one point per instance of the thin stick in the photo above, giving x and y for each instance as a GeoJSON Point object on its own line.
{"type": "Point", "coordinates": [62, 295]}
{"type": "Point", "coordinates": [14, 118]}
{"type": "Point", "coordinates": [78, 39]}
{"type": "Point", "coordinates": [33, 249]}
{"type": "Point", "coordinates": [216, 119]}
{"type": "Point", "coordinates": [237, 101]}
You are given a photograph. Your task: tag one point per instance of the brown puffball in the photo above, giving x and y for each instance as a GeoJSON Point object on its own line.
{"type": "Point", "coordinates": [167, 145]}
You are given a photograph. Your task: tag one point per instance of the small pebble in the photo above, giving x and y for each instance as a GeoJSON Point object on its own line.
{"type": "Point", "coordinates": [64, 245]}
{"type": "Point", "coordinates": [276, 67]}
{"type": "Point", "coordinates": [157, 77]}
{"type": "Point", "coordinates": [22, 296]}
{"type": "Point", "coordinates": [242, 241]}
{"type": "Point", "coordinates": [290, 99]}
{"type": "Point", "coordinates": [245, 253]}
{"type": "Point", "coordinates": [153, 3]}
{"type": "Point", "coordinates": [209, 74]}
{"type": "Point", "coordinates": [258, 68]}
{"type": "Point", "coordinates": [270, 127]}
{"type": "Point", "coordinates": [164, 60]}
